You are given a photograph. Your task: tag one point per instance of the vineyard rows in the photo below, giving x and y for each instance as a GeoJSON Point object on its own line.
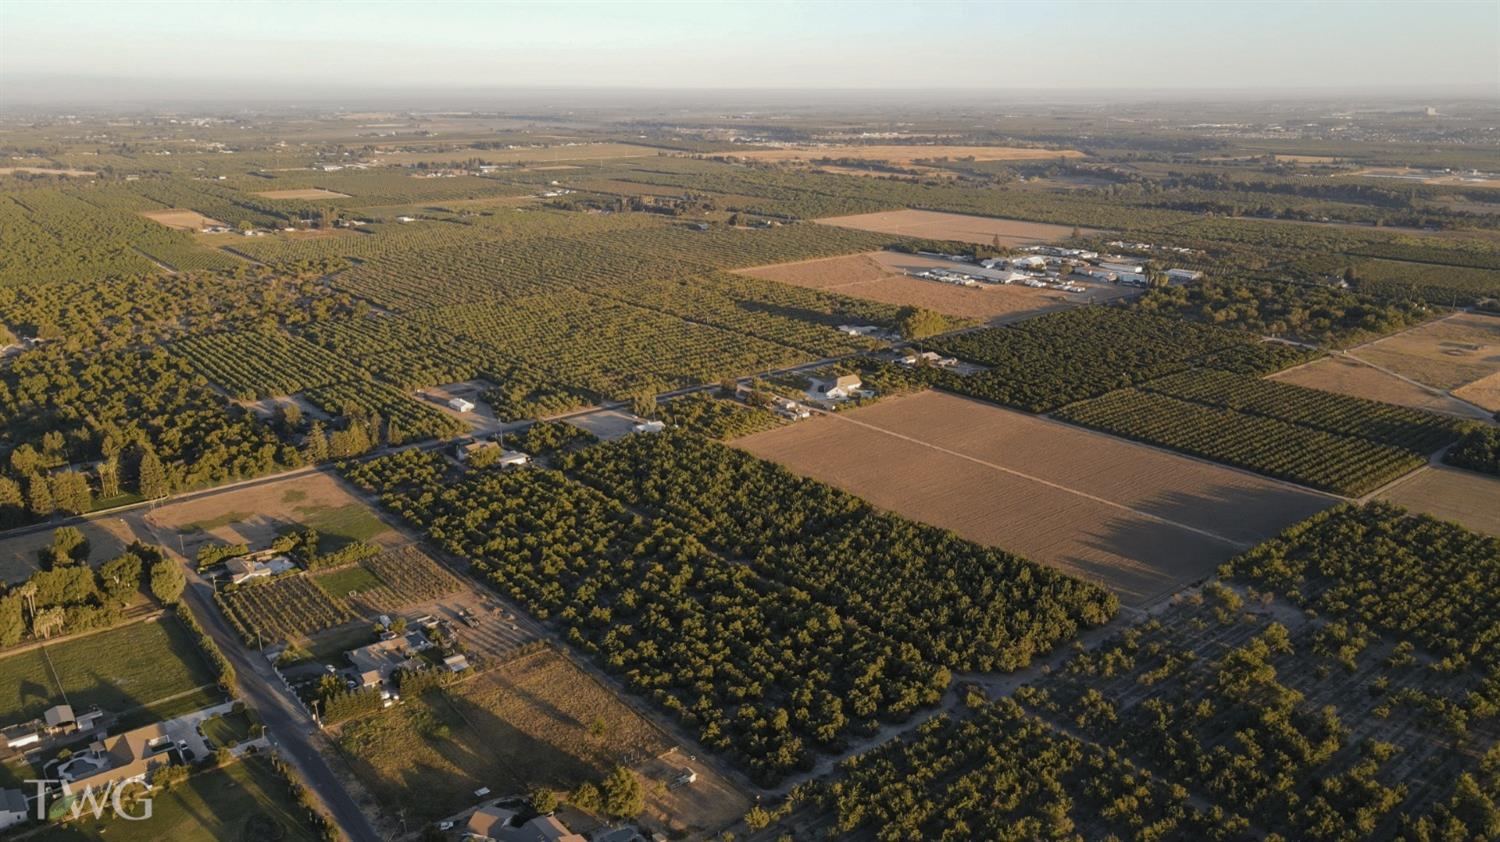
{"type": "Point", "coordinates": [259, 364]}
{"type": "Point", "coordinates": [283, 608]}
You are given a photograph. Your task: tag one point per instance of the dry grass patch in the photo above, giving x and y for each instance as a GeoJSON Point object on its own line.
{"type": "Point", "coordinates": [1347, 376]}
{"type": "Point", "coordinates": [907, 154]}
{"type": "Point", "coordinates": [1140, 521]}
{"type": "Point", "coordinates": [536, 721]}
{"type": "Point", "coordinates": [301, 193]}
{"type": "Point", "coordinates": [258, 514]}
{"type": "Point", "coordinates": [1469, 498]}
{"type": "Point", "coordinates": [1447, 353]}
{"type": "Point", "coordinates": [956, 226]}
{"type": "Point", "coordinates": [107, 537]}
{"type": "Point", "coordinates": [181, 219]}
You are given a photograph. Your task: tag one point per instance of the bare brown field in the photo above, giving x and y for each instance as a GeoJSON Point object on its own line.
{"type": "Point", "coordinates": [907, 154]}
{"type": "Point", "coordinates": [879, 276]}
{"type": "Point", "coordinates": [1141, 521]}
{"type": "Point", "coordinates": [107, 537]}
{"type": "Point", "coordinates": [1447, 353]}
{"type": "Point", "coordinates": [46, 171]}
{"type": "Point", "coordinates": [258, 514]}
{"type": "Point", "coordinates": [1348, 376]}
{"type": "Point", "coordinates": [181, 219]}
{"type": "Point", "coordinates": [1407, 174]}
{"type": "Point", "coordinates": [1469, 498]}
{"type": "Point", "coordinates": [301, 193]}
{"type": "Point", "coordinates": [955, 226]}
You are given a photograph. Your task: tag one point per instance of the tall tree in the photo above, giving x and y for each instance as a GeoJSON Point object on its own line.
{"type": "Point", "coordinates": [109, 478]}
{"type": "Point", "coordinates": [70, 493]}
{"type": "Point", "coordinates": [39, 496]}
{"type": "Point", "coordinates": [623, 796]}
{"type": "Point", "coordinates": [167, 580]}
{"type": "Point", "coordinates": [151, 479]}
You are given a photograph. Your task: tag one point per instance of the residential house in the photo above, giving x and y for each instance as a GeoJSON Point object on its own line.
{"type": "Point", "coordinates": [839, 388]}
{"type": "Point", "coordinates": [498, 824]}
{"type": "Point", "coordinates": [257, 566]}
{"type": "Point", "coordinates": [456, 663]}
{"type": "Point", "coordinates": [132, 754]}
{"type": "Point", "coordinates": [13, 808]}
{"type": "Point", "coordinates": [22, 735]}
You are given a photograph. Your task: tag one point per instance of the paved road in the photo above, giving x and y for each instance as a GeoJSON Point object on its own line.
{"type": "Point", "coordinates": [289, 725]}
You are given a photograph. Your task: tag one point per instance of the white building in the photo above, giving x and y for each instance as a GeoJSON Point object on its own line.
{"type": "Point", "coordinates": [461, 405]}
{"type": "Point", "coordinates": [648, 427]}
{"type": "Point", "coordinates": [1123, 268]}
{"type": "Point", "coordinates": [1183, 276]}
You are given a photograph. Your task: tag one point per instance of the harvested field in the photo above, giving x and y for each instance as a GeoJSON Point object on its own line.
{"type": "Point", "coordinates": [46, 171]}
{"type": "Point", "coordinates": [1471, 499]}
{"type": "Point", "coordinates": [1141, 521]}
{"type": "Point", "coordinates": [559, 152]}
{"type": "Point", "coordinates": [181, 219]}
{"type": "Point", "coordinates": [1448, 353]}
{"type": "Point", "coordinates": [301, 193]}
{"type": "Point", "coordinates": [1347, 376]}
{"type": "Point", "coordinates": [258, 514]}
{"type": "Point", "coordinates": [956, 226]}
{"type": "Point", "coordinates": [907, 154]}
{"type": "Point", "coordinates": [880, 276]}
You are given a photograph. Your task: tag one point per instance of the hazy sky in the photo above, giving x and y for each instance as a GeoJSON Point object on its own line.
{"type": "Point", "coordinates": [1428, 47]}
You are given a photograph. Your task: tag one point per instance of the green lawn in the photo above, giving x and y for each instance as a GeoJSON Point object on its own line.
{"type": "Point", "coordinates": [353, 579]}
{"type": "Point", "coordinates": [228, 728]}
{"type": "Point", "coordinates": [140, 664]}
{"type": "Point", "coordinates": [243, 801]}
{"type": "Point", "coordinates": [339, 526]}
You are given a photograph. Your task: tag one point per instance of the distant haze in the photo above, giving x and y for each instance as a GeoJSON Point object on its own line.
{"type": "Point", "coordinates": [102, 52]}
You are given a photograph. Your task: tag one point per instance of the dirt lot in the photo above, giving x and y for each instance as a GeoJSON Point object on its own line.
{"type": "Point", "coordinates": [607, 424]}
{"type": "Point", "coordinates": [181, 219]}
{"type": "Point", "coordinates": [1141, 521]}
{"type": "Point", "coordinates": [536, 721]}
{"type": "Point", "coordinates": [107, 539]}
{"type": "Point", "coordinates": [1483, 392]}
{"type": "Point", "coordinates": [880, 276]}
{"type": "Point", "coordinates": [1351, 377]}
{"type": "Point", "coordinates": [259, 514]}
{"type": "Point", "coordinates": [301, 193]}
{"type": "Point", "coordinates": [482, 417]}
{"type": "Point", "coordinates": [46, 171]}
{"type": "Point", "coordinates": [907, 154]}
{"type": "Point", "coordinates": [1448, 353]}
{"type": "Point", "coordinates": [1452, 494]}
{"type": "Point", "coordinates": [955, 226]}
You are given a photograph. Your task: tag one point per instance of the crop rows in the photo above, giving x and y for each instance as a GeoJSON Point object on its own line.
{"type": "Point", "coordinates": [410, 576]}
{"type": "Point", "coordinates": [1399, 426]}
{"type": "Point", "coordinates": [407, 418]}
{"type": "Point", "coordinates": [258, 364]}
{"type": "Point", "coordinates": [1046, 362]}
{"type": "Point", "coordinates": [283, 608]}
{"type": "Point", "coordinates": [1341, 464]}
{"type": "Point", "coordinates": [607, 347]}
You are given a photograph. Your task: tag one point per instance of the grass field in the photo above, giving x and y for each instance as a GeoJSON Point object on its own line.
{"type": "Point", "coordinates": [881, 276]}
{"type": "Point", "coordinates": [228, 728]}
{"type": "Point", "coordinates": [259, 514]}
{"type": "Point", "coordinates": [140, 664]}
{"type": "Point", "coordinates": [341, 583]}
{"type": "Point", "coordinates": [532, 722]}
{"type": "Point", "coordinates": [1448, 353]}
{"type": "Point", "coordinates": [1138, 520]}
{"type": "Point", "coordinates": [1351, 377]}
{"type": "Point", "coordinates": [955, 226]}
{"type": "Point", "coordinates": [245, 801]}
{"type": "Point", "coordinates": [1469, 498]}
{"type": "Point", "coordinates": [18, 553]}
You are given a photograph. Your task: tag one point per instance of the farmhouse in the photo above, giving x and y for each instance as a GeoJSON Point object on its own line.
{"type": "Point", "coordinates": [13, 809]}
{"type": "Point", "coordinates": [128, 755]}
{"type": "Point", "coordinates": [384, 657]}
{"type": "Point", "coordinates": [257, 566]}
{"type": "Point", "coordinates": [461, 405]}
{"type": "Point", "coordinates": [839, 388]}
